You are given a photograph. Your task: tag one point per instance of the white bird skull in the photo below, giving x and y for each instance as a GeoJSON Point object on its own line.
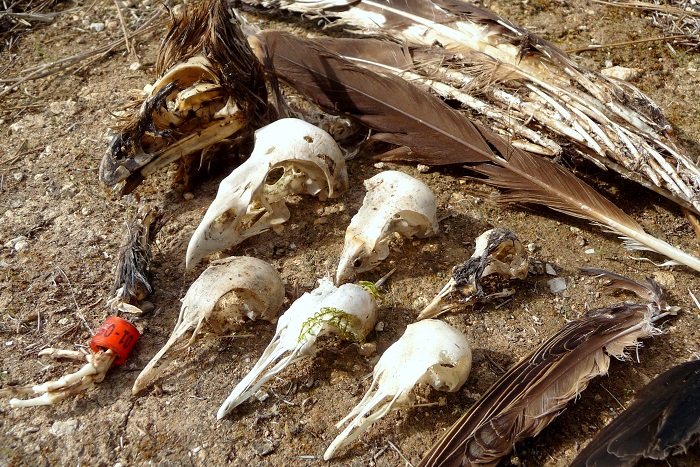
{"type": "Point", "coordinates": [224, 295]}
{"type": "Point", "coordinates": [349, 311]}
{"type": "Point", "coordinates": [395, 202]}
{"type": "Point", "coordinates": [290, 157]}
{"type": "Point", "coordinates": [430, 352]}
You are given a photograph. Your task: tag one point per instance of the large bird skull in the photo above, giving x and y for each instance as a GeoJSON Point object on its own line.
{"type": "Point", "coordinates": [290, 157]}
{"type": "Point", "coordinates": [395, 202]}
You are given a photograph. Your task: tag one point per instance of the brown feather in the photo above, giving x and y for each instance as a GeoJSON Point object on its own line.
{"type": "Point", "coordinates": [428, 131]}
{"type": "Point", "coordinates": [533, 392]}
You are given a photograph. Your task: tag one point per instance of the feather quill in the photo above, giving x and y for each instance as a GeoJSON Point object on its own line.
{"type": "Point", "coordinates": [424, 129]}
{"type": "Point", "coordinates": [663, 421]}
{"type": "Point", "coordinates": [534, 391]}
{"type": "Point", "coordinates": [609, 122]}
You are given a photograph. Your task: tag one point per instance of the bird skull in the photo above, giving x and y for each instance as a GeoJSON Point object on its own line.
{"type": "Point", "coordinates": [395, 202]}
{"type": "Point", "coordinates": [349, 311]}
{"type": "Point", "coordinates": [498, 254]}
{"type": "Point", "coordinates": [430, 352]}
{"type": "Point", "coordinates": [226, 294]}
{"type": "Point", "coordinates": [290, 157]}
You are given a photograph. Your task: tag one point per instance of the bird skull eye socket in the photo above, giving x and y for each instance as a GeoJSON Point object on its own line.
{"type": "Point", "coordinates": [357, 263]}
{"type": "Point", "coordinates": [274, 175]}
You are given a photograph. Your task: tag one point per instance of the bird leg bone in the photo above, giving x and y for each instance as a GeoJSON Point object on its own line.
{"type": "Point", "coordinates": [395, 202]}
{"type": "Point", "coordinates": [75, 383]}
{"type": "Point", "coordinates": [227, 293]}
{"type": "Point", "coordinates": [498, 254]}
{"type": "Point", "coordinates": [430, 352]}
{"type": "Point", "coordinates": [290, 157]}
{"type": "Point", "coordinates": [349, 311]}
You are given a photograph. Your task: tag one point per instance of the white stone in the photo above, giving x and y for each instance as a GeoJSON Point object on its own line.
{"type": "Point", "coordinates": [135, 66]}
{"type": "Point", "coordinates": [97, 27]}
{"type": "Point", "coordinates": [557, 285]}
{"type": "Point", "coordinates": [64, 428]}
{"type": "Point", "coordinates": [550, 269]}
{"type": "Point", "coordinates": [621, 73]}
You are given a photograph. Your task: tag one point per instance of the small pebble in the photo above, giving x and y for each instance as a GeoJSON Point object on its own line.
{"type": "Point", "coordinates": [590, 251]}
{"type": "Point", "coordinates": [379, 327]}
{"type": "Point", "coordinates": [557, 285]}
{"type": "Point", "coordinates": [64, 428]}
{"type": "Point", "coordinates": [21, 245]}
{"type": "Point", "coordinates": [422, 168]}
{"type": "Point", "coordinates": [621, 73]}
{"type": "Point", "coordinates": [188, 196]}
{"type": "Point", "coordinates": [135, 66]}
{"type": "Point", "coordinates": [263, 446]}
{"type": "Point", "coordinates": [18, 176]}
{"type": "Point", "coordinates": [550, 269]}
{"type": "Point", "coordinates": [262, 395]}
{"type": "Point", "coordinates": [379, 165]}
{"type": "Point", "coordinates": [97, 27]}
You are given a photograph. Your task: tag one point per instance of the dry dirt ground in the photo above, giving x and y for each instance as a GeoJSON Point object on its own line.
{"type": "Point", "coordinates": [54, 281]}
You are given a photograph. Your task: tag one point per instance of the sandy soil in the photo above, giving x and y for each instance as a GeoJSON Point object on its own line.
{"type": "Point", "coordinates": [54, 281]}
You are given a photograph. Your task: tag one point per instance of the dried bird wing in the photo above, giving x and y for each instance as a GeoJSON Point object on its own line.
{"type": "Point", "coordinates": [533, 392]}
{"type": "Point", "coordinates": [210, 86]}
{"type": "Point", "coordinates": [485, 57]}
{"type": "Point", "coordinates": [395, 202]}
{"type": "Point", "coordinates": [664, 420]}
{"type": "Point", "coordinates": [499, 253]}
{"type": "Point", "coordinates": [429, 352]}
{"type": "Point", "coordinates": [349, 311]}
{"type": "Point", "coordinates": [290, 157]}
{"type": "Point", "coordinates": [427, 130]}
{"type": "Point", "coordinates": [224, 295]}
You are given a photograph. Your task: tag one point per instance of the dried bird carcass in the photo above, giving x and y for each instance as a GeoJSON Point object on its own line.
{"type": "Point", "coordinates": [290, 157]}
{"type": "Point", "coordinates": [349, 311]}
{"type": "Point", "coordinates": [483, 57]}
{"type": "Point", "coordinates": [210, 86]}
{"type": "Point", "coordinates": [426, 130]}
{"type": "Point", "coordinates": [429, 352]}
{"type": "Point", "coordinates": [394, 203]}
{"type": "Point", "coordinates": [663, 421]}
{"type": "Point", "coordinates": [533, 392]}
{"type": "Point", "coordinates": [498, 256]}
{"type": "Point", "coordinates": [226, 294]}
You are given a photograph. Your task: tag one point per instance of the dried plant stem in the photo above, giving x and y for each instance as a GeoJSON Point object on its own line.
{"type": "Point", "coordinates": [625, 43]}
{"type": "Point", "coordinates": [124, 30]}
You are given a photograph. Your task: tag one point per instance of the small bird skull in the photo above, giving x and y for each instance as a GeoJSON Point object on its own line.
{"type": "Point", "coordinates": [430, 352]}
{"type": "Point", "coordinates": [395, 202]}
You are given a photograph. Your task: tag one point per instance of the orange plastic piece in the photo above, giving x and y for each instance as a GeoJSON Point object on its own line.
{"type": "Point", "coordinates": [117, 335]}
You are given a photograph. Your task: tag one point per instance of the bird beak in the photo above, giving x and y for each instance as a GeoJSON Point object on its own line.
{"type": "Point", "coordinates": [183, 113]}
{"type": "Point", "coordinates": [440, 304]}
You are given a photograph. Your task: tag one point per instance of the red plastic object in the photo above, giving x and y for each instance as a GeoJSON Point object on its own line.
{"type": "Point", "coordinates": [117, 335]}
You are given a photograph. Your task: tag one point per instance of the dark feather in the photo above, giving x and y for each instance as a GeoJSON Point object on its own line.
{"type": "Point", "coordinates": [533, 392]}
{"type": "Point", "coordinates": [663, 421]}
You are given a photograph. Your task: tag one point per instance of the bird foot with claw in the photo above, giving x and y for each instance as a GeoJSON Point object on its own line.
{"type": "Point", "coordinates": [75, 383]}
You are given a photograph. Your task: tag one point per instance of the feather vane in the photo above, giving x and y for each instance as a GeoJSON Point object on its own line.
{"type": "Point", "coordinates": [426, 130]}
{"type": "Point", "coordinates": [663, 420]}
{"type": "Point", "coordinates": [534, 391]}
